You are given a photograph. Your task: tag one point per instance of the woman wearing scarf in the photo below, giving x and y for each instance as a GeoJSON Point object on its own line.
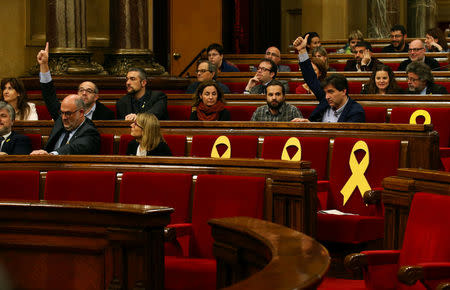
{"type": "Point", "coordinates": [208, 103]}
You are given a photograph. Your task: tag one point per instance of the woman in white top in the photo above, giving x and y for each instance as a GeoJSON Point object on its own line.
{"type": "Point", "coordinates": [14, 93]}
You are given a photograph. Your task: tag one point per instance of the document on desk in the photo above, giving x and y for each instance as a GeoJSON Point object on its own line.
{"type": "Point", "coordinates": [335, 212]}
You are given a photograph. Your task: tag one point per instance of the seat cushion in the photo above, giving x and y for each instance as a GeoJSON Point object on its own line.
{"type": "Point", "coordinates": [330, 283]}
{"type": "Point", "coordinates": [349, 229]}
{"type": "Point", "coordinates": [186, 273]}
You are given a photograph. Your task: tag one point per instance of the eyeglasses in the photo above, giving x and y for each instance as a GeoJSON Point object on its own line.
{"type": "Point", "coordinates": [68, 114]}
{"type": "Point", "coordinates": [202, 71]}
{"type": "Point", "coordinates": [413, 80]}
{"type": "Point", "coordinates": [89, 91]}
{"type": "Point", "coordinates": [213, 54]}
{"type": "Point", "coordinates": [396, 35]}
{"type": "Point", "coordinates": [135, 123]}
{"type": "Point", "coordinates": [415, 49]}
{"type": "Point", "coordinates": [272, 54]}
{"type": "Point", "coordinates": [262, 69]}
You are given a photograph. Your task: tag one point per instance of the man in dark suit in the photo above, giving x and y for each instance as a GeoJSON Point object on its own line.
{"type": "Point", "coordinates": [363, 60]}
{"type": "Point", "coordinates": [140, 99]}
{"type": "Point", "coordinates": [416, 52]}
{"type": "Point", "coordinates": [87, 90]}
{"type": "Point", "coordinates": [334, 103]}
{"type": "Point", "coordinates": [72, 133]}
{"type": "Point", "coordinates": [11, 143]}
{"type": "Point", "coordinates": [265, 73]}
{"type": "Point", "coordinates": [421, 80]}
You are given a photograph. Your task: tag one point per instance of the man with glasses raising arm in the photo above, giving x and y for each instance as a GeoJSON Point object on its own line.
{"type": "Point", "coordinates": [87, 90]}
{"type": "Point", "coordinates": [417, 53]}
{"type": "Point", "coordinates": [72, 133]}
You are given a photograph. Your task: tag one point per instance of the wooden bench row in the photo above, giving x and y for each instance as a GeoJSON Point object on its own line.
{"type": "Point", "coordinates": [420, 141]}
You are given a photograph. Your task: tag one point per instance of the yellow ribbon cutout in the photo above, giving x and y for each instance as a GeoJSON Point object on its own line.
{"type": "Point", "coordinates": [358, 169]}
{"type": "Point", "coordinates": [418, 113]}
{"type": "Point", "coordinates": [221, 140]}
{"type": "Point", "coordinates": [292, 142]}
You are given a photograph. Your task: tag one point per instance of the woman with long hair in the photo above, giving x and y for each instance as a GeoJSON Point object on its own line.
{"type": "Point", "coordinates": [382, 81]}
{"type": "Point", "coordinates": [435, 40]}
{"type": "Point", "coordinates": [148, 139]}
{"type": "Point", "coordinates": [14, 93]}
{"type": "Point", "coordinates": [209, 104]}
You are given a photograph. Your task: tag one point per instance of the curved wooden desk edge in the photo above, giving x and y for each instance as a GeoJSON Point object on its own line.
{"type": "Point", "coordinates": [295, 260]}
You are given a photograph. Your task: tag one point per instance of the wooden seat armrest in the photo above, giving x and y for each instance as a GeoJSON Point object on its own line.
{"type": "Point", "coordinates": [372, 197]}
{"type": "Point", "coordinates": [409, 275]}
{"type": "Point", "coordinates": [170, 234]}
{"type": "Point", "coordinates": [356, 262]}
{"type": "Point", "coordinates": [443, 286]}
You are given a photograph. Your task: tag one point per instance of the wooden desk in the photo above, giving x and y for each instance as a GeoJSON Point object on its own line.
{"type": "Point", "coordinates": [266, 255]}
{"type": "Point", "coordinates": [75, 245]}
{"type": "Point", "coordinates": [397, 196]}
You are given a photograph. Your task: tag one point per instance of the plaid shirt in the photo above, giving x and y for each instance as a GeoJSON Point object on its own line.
{"type": "Point", "coordinates": [285, 114]}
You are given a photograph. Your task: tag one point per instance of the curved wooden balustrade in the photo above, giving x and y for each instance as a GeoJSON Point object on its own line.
{"type": "Point", "coordinates": [274, 256]}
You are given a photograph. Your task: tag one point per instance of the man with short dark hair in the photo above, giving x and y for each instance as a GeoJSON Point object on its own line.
{"type": "Point", "coordinates": [421, 80]}
{"type": "Point", "coordinates": [215, 55]}
{"type": "Point", "coordinates": [72, 132]}
{"type": "Point", "coordinates": [11, 143]}
{"type": "Point", "coordinates": [276, 109]}
{"type": "Point", "coordinates": [86, 90]}
{"type": "Point", "coordinates": [363, 60]}
{"type": "Point", "coordinates": [206, 71]}
{"type": "Point", "coordinates": [265, 73]}
{"type": "Point", "coordinates": [417, 53]}
{"type": "Point", "coordinates": [140, 99]}
{"type": "Point", "coordinates": [398, 40]}
{"type": "Point", "coordinates": [334, 103]}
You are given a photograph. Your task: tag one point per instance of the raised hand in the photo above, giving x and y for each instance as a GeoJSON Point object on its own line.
{"type": "Point", "coordinates": [42, 56]}
{"type": "Point", "coordinates": [366, 57]}
{"type": "Point", "coordinates": [300, 43]}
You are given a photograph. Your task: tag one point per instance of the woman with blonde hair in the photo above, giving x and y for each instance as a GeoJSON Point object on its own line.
{"type": "Point", "coordinates": [14, 93]}
{"type": "Point", "coordinates": [148, 139]}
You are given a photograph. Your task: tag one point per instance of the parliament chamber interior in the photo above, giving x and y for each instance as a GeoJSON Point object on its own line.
{"type": "Point", "coordinates": [168, 144]}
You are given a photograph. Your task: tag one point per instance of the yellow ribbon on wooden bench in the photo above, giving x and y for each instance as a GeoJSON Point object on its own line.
{"type": "Point", "coordinates": [423, 113]}
{"type": "Point", "coordinates": [219, 141]}
{"type": "Point", "coordinates": [358, 169]}
{"type": "Point", "coordinates": [293, 141]}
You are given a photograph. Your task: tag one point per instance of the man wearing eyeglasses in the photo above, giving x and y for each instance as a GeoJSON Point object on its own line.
{"type": "Point", "coordinates": [398, 40]}
{"type": "Point", "coordinates": [215, 55]}
{"type": "Point", "coordinates": [87, 90]}
{"type": "Point", "coordinates": [206, 71]}
{"type": "Point", "coordinates": [72, 132]}
{"type": "Point", "coordinates": [265, 73]}
{"type": "Point", "coordinates": [421, 80]}
{"type": "Point", "coordinates": [417, 53]}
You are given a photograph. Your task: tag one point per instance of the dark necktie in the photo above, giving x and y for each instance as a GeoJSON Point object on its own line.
{"type": "Point", "coordinates": [1, 140]}
{"type": "Point", "coordinates": [65, 139]}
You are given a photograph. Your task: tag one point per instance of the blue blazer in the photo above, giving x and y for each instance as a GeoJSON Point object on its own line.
{"type": "Point", "coordinates": [17, 144]}
{"type": "Point", "coordinates": [353, 112]}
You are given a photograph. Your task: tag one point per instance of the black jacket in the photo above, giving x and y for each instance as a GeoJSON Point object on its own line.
{"type": "Point", "coordinates": [431, 62]}
{"type": "Point", "coordinates": [154, 102]}
{"type": "Point", "coordinates": [17, 144]}
{"type": "Point", "coordinates": [161, 150]}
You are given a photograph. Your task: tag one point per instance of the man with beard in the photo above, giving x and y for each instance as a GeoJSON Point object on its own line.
{"type": "Point", "coordinates": [72, 133]}
{"type": "Point", "coordinates": [334, 103]}
{"type": "Point", "coordinates": [87, 90]}
{"type": "Point", "coordinates": [421, 81]}
{"type": "Point", "coordinates": [398, 40]}
{"type": "Point", "coordinates": [417, 53]}
{"type": "Point", "coordinates": [139, 99]}
{"type": "Point", "coordinates": [363, 60]}
{"type": "Point", "coordinates": [276, 108]}
{"type": "Point", "coordinates": [10, 142]}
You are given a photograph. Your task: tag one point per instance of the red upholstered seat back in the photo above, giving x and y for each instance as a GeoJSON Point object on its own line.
{"type": "Point", "coordinates": [36, 141]}
{"type": "Point", "coordinates": [218, 196]}
{"type": "Point", "coordinates": [306, 110]}
{"type": "Point", "coordinates": [293, 66]}
{"type": "Point", "coordinates": [354, 87]}
{"type": "Point", "coordinates": [241, 113]}
{"type": "Point", "coordinates": [375, 114]}
{"type": "Point", "coordinates": [314, 149]}
{"type": "Point", "coordinates": [427, 235]}
{"type": "Point", "coordinates": [394, 65]}
{"type": "Point", "coordinates": [236, 87]}
{"type": "Point", "coordinates": [80, 185]}
{"type": "Point", "coordinates": [243, 67]}
{"type": "Point", "coordinates": [112, 108]}
{"type": "Point", "coordinates": [383, 162]}
{"type": "Point", "coordinates": [445, 84]}
{"type": "Point", "coordinates": [167, 189]}
{"type": "Point", "coordinates": [123, 143]}
{"type": "Point", "coordinates": [20, 185]}
{"type": "Point", "coordinates": [179, 112]}
{"type": "Point", "coordinates": [43, 113]}
{"type": "Point", "coordinates": [107, 144]}
{"type": "Point", "coordinates": [439, 119]}
{"type": "Point", "coordinates": [338, 66]}
{"type": "Point", "coordinates": [241, 146]}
